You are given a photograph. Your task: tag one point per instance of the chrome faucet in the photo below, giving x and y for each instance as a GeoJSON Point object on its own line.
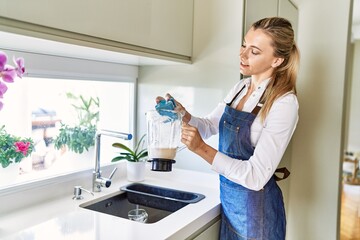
{"type": "Point", "coordinates": [98, 180]}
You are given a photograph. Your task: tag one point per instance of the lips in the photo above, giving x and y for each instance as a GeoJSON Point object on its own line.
{"type": "Point", "coordinates": [243, 65]}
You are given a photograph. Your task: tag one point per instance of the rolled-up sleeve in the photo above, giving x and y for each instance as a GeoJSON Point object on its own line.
{"type": "Point", "coordinates": [209, 125]}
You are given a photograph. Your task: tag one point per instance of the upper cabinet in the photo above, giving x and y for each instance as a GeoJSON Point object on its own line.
{"type": "Point", "coordinates": [150, 27]}
{"type": "Point", "coordinates": [257, 9]}
{"type": "Point", "coordinates": [289, 11]}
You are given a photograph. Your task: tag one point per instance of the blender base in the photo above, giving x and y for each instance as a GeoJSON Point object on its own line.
{"type": "Point", "coordinates": [161, 164]}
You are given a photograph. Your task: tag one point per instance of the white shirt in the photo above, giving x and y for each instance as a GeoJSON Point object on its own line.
{"type": "Point", "coordinates": [269, 138]}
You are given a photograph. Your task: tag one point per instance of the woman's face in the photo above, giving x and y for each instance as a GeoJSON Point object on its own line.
{"type": "Point", "coordinates": [257, 55]}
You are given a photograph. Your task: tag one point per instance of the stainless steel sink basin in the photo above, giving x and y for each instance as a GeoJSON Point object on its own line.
{"type": "Point", "coordinates": [158, 202]}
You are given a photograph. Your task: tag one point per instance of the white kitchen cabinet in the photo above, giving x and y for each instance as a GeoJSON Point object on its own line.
{"type": "Point", "coordinates": [257, 9]}
{"type": "Point", "coordinates": [210, 231]}
{"type": "Point", "coordinates": [289, 11]}
{"type": "Point", "coordinates": [162, 27]}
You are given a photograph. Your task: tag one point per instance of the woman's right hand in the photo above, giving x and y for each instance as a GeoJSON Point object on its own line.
{"type": "Point", "coordinates": [178, 108]}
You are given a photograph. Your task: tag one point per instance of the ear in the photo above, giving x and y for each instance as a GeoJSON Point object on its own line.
{"type": "Point", "coordinates": [277, 62]}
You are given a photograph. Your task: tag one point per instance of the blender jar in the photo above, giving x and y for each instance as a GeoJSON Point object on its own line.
{"type": "Point", "coordinates": [164, 135]}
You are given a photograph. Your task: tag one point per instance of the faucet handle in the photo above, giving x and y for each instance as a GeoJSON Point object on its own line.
{"type": "Point", "coordinates": [108, 180]}
{"type": "Point", "coordinates": [112, 173]}
{"type": "Point", "coordinates": [104, 182]}
{"type": "Point", "coordinates": [77, 193]}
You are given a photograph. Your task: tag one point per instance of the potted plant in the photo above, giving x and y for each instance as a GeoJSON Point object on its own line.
{"type": "Point", "coordinates": [136, 159]}
{"type": "Point", "coordinates": [81, 137]}
{"type": "Point", "coordinates": [13, 149]}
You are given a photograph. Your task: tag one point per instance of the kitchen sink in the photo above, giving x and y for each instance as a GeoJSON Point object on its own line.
{"type": "Point", "coordinates": [158, 202]}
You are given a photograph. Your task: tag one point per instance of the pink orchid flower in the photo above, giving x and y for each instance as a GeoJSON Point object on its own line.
{"type": "Point", "coordinates": [3, 89]}
{"type": "Point", "coordinates": [20, 66]}
{"type": "Point", "coordinates": [22, 147]}
{"type": "Point", "coordinates": [3, 59]}
{"type": "Point", "coordinates": [8, 74]}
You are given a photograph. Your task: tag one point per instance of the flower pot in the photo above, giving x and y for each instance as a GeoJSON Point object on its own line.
{"type": "Point", "coordinates": [135, 171]}
{"type": "Point", "coordinates": [9, 174]}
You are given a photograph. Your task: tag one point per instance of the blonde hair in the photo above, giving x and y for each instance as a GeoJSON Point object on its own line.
{"type": "Point", "coordinates": [283, 79]}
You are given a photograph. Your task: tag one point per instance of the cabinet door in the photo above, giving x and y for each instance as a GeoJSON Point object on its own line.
{"type": "Point", "coordinates": [258, 9]}
{"type": "Point", "coordinates": [289, 11]}
{"type": "Point", "coordinates": [211, 233]}
{"type": "Point", "coordinates": [153, 24]}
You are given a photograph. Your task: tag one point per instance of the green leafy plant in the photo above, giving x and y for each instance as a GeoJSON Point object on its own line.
{"type": "Point", "coordinates": [87, 109]}
{"type": "Point", "coordinates": [13, 149]}
{"type": "Point", "coordinates": [77, 139]}
{"type": "Point", "coordinates": [80, 137]}
{"type": "Point", "coordinates": [137, 155]}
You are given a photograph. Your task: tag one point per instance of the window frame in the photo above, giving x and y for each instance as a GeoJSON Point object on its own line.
{"type": "Point", "coordinates": [45, 65]}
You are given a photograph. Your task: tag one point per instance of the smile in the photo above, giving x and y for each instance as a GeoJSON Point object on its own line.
{"type": "Point", "coordinates": [243, 65]}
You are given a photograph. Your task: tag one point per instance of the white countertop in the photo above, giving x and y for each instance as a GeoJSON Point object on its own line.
{"type": "Point", "coordinates": [62, 218]}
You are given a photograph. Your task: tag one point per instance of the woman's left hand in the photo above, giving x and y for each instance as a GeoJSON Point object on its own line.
{"type": "Point", "coordinates": [191, 138]}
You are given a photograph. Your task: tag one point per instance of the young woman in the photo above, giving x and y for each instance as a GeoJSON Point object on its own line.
{"type": "Point", "coordinates": [255, 124]}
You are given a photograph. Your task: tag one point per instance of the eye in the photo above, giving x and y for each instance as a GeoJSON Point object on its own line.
{"type": "Point", "coordinates": [255, 52]}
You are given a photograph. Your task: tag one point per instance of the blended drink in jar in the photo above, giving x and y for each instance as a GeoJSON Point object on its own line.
{"type": "Point", "coordinates": [163, 153]}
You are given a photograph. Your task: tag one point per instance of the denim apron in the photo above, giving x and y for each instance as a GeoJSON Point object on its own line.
{"type": "Point", "coordinates": [247, 214]}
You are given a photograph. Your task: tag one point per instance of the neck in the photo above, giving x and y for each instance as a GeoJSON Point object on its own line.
{"type": "Point", "coordinates": [259, 78]}
{"type": "Point", "coordinates": [256, 81]}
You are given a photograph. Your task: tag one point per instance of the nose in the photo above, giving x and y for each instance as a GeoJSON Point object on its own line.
{"type": "Point", "coordinates": [244, 54]}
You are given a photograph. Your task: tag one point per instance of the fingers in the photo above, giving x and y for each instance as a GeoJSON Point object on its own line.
{"type": "Point", "coordinates": [168, 96]}
{"type": "Point", "coordinates": [178, 106]}
{"type": "Point", "coordinates": [190, 137]}
{"type": "Point", "coordinates": [158, 99]}
{"type": "Point", "coordinates": [188, 132]}
{"type": "Point", "coordinates": [186, 129]}
{"type": "Point", "coordinates": [185, 133]}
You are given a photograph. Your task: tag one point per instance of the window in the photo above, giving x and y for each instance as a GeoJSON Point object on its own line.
{"type": "Point", "coordinates": [49, 98]}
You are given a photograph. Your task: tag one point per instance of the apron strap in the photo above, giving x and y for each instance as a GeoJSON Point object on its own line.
{"type": "Point", "coordinates": [284, 171]}
{"type": "Point", "coordinates": [258, 106]}
{"type": "Point", "coordinates": [236, 95]}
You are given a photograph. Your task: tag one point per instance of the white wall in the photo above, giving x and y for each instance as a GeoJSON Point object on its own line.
{"type": "Point", "coordinates": [200, 86]}
{"type": "Point", "coordinates": [316, 149]}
